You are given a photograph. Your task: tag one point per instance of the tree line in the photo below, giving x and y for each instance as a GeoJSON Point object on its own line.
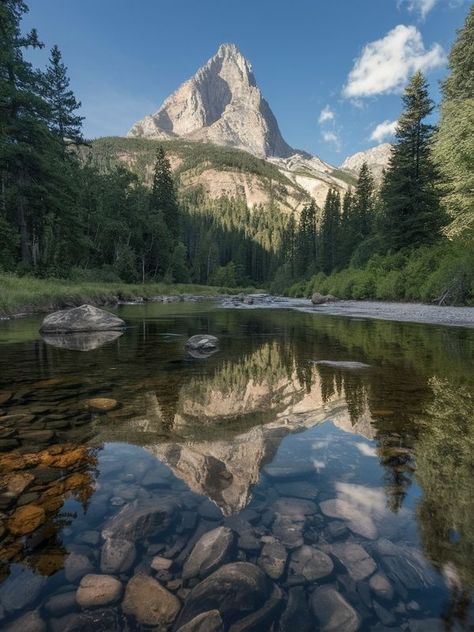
{"type": "Point", "coordinates": [62, 215]}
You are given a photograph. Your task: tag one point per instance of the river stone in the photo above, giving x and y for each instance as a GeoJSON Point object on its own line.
{"type": "Point", "coordinates": [101, 404]}
{"type": "Point", "coordinates": [406, 565]}
{"type": "Point", "coordinates": [289, 530]}
{"type": "Point", "coordinates": [381, 587]}
{"type": "Point", "coordinates": [83, 318]}
{"type": "Point", "coordinates": [357, 521]}
{"type": "Point", "coordinates": [19, 591]}
{"type": "Point", "coordinates": [206, 622]}
{"type": "Point", "coordinates": [296, 615]}
{"type": "Point", "coordinates": [332, 611]}
{"type": "Point", "coordinates": [354, 557]}
{"type": "Point", "coordinates": [262, 618]}
{"type": "Point", "coordinates": [16, 484]}
{"type": "Point", "coordinates": [203, 343]}
{"type": "Point", "coordinates": [98, 590]}
{"type": "Point", "coordinates": [76, 566]}
{"type": "Point", "coordinates": [142, 518]}
{"type": "Point", "coordinates": [273, 559]}
{"type": "Point", "coordinates": [160, 563]}
{"type": "Point", "coordinates": [149, 602]}
{"type": "Point", "coordinates": [310, 563]}
{"type": "Point", "coordinates": [96, 620]}
{"type": "Point", "coordinates": [5, 396]}
{"type": "Point", "coordinates": [61, 603]}
{"type": "Point", "coordinates": [29, 622]}
{"type": "Point", "coordinates": [210, 551]}
{"type": "Point", "coordinates": [236, 590]}
{"type": "Point", "coordinates": [26, 519]}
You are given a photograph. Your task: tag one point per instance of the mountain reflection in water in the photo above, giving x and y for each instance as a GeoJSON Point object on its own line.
{"type": "Point", "coordinates": [383, 449]}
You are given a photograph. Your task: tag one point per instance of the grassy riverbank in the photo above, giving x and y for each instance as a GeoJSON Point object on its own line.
{"type": "Point", "coordinates": [22, 295]}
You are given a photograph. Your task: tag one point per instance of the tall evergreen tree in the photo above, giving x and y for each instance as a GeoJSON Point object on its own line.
{"type": "Point", "coordinates": [347, 233]}
{"type": "Point", "coordinates": [306, 240]}
{"type": "Point", "coordinates": [63, 118]}
{"type": "Point", "coordinates": [329, 232]}
{"type": "Point", "coordinates": [412, 212]}
{"type": "Point", "coordinates": [363, 204]}
{"type": "Point", "coordinates": [163, 195]}
{"type": "Point", "coordinates": [454, 141]}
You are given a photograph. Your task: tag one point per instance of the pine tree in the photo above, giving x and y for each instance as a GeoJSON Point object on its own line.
{"type": "Point", "coordinates": [363, 204]}
{"type": "Point", "coordinates": [454, 142]}
{"type": "Point", "coordinates": [347, 233]}
{"type": "Point", "coordinates": [63, 119]}
{"type": "Point", "coordinates": [163, 196]}
{"type": "Point", "coordinates": [306, 241]}
{"type": "Point", "coordinates": [329, 232]}
{"type": "Point", "coordinates": [28, 152]}
{"type": "Point", "coordinates": [412, 212]}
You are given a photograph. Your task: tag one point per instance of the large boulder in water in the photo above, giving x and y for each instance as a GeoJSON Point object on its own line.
{"type": "Point", "coordinates": [202, 345]}
{"type": "Point", "coordinates": [240, 592]}
{"type": "Point", "coordinates": [83, 318]}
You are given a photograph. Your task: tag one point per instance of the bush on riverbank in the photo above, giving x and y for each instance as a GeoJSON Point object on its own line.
{"type": "Point", "coordinates": [431, 273]}
{"type": "Point", "coordinates": [29, 294]}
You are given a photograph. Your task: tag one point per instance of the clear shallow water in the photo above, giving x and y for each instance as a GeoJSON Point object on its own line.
{"type": "Point", "coordinates": [370, 467]}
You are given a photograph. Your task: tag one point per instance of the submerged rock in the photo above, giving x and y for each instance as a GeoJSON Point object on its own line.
{"type": "Point", "coordinates": [201, 346]}
{"type": "Point", "coordinates": [149, 602]}
{"type": "Point", "coordinates": [381, 587]}
{"type": "Point", "coordinates": [26, 519]}
{"type": "Point", "coordinates": [18, 592]}
{"type": "Point", "coordinates": [296, 615]}
{"type": "Point", "coordinates": [273, 559]}
{"type": "Point", "coordinates": [357, 521]}
{"type": "Point", "coordinates": [141, 518]}
{"type": "Point", "coordinates": [210, 551]}
{"type": "Point", "coordinates": [310, 563]}
{"type": "Point", "coordinates": [236, 590]}
{"type": "Point", "coordinates": [83, 318]}
{"type": "Point", "coordinates": [342, 364]}
{"type": "Point", "coordinates": [98, 590]}
{"type": "Point", "coordinates": [354, 557]}
{"type": "Point", "coordinates": [332, 611]}
{"type": "Point", "coordinates": [29, 622]}
{"type": "Point", "coordinates": [206, 622]}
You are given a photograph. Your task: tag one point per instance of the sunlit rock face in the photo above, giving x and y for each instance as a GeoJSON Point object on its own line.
{"type": "Point", "coordinates": [221, 104]}
{"type": "Point", "coordinates": [377, 159]}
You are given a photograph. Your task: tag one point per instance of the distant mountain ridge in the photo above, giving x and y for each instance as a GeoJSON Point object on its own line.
{"type": "Point", "coordinates": [377, 159]}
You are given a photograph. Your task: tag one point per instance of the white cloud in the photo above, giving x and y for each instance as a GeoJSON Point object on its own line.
{"type": "Point", "coordinates": [383, 130]}
{"type": "Point", "coordinates": [386, 64]}
{"type": "Point", "coordinates": [332, 137]}
{"type": "Point", "coordinates": [423, 7]}
{"type": "Point", "coordinates": [326, 115]}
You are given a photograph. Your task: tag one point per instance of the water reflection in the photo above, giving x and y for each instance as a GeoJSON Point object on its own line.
{"type": "Point", "coordinates": [82, 341]}
{"type": "Point", "coordinates": [347, 413]}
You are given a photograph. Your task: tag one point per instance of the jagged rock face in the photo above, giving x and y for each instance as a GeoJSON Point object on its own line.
{"type": "Point", "coordinates": [376, 157]}
{"type": "Point", "coordinates": [220, 104]}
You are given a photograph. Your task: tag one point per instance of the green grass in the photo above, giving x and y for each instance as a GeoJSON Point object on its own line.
{"type": "Point", "coordinates": [19, 295]}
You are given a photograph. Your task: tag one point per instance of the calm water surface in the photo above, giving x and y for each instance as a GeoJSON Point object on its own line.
{"type": "Point", "coordinates": [348, 489]}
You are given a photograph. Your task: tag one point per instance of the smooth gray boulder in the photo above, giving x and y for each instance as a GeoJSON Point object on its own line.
{"type": "Point", "coordinates": [141, 518]}
{"type": "Point", "coordinates": [201, 346]}
{"type": "Point", "coordinates": [310, 563]}
{"type": "Point", "coordinates": [210, 551]}
{"type": "Point", "coordinates": [83, 318]}
{"type": "Point", "coordinates": [332, 611]}
{"type": "Point", "coordinates": [236, 590]}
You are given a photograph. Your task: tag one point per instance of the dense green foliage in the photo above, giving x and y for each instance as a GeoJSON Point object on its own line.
{"type": "Point", "coordinates": [113, 210]}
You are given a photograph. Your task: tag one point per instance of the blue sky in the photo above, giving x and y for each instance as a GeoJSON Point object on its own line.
{"type": "Point", "coordinates": [332, 70]}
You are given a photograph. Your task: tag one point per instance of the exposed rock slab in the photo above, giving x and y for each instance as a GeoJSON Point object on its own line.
{"type": "Point", "coordinates": [83, 318]}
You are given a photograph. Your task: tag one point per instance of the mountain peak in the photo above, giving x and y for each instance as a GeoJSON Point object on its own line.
{"type": "Point", "coordinates": [221, 104]}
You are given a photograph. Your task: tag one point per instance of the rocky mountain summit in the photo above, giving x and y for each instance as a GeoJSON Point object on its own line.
{"type": "Point", "coordinates": [376, 158]}
{"type": "Point", "coordinates": [221, 104]}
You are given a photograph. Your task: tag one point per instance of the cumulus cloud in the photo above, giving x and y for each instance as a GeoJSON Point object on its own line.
{"type": "Point", "coordinates": [333, 138]}
{"type": "Point", "coordinates": [326, 115]}
{"type": "Point", "coordinates": [423, 7]}
{"type": "Point", "coordinates": [385, 65]}
{"type": "Point", "coordinates": [383, 130]}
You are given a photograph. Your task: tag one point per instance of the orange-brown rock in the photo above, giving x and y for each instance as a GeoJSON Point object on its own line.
{"type": "Point", "coordinates": [26, 519]}
{"type": "Point", "coordinates": [15, 483]}
{"type": "Point", "coordinates": [101, 404]}
{"type": "Point", "coordinates": [48, 563]}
